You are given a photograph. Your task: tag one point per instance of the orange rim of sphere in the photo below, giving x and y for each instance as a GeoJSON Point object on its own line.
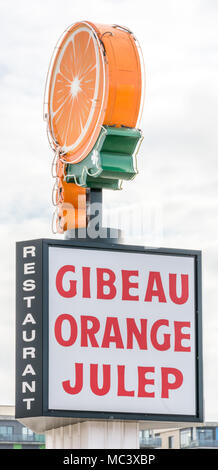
{"type": "Point", "coordinates": [95, 80]}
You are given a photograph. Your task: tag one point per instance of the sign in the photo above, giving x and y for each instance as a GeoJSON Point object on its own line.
{"type": "Point", "coordinates": [108, 331]}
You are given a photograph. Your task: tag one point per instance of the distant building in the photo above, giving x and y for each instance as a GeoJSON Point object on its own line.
{"type": "Point", "coordinates": [148, 439]}
{"type": "Point", "coordinates": [13, 435]}
{"type": "Point", "coordinates": [196, 436]}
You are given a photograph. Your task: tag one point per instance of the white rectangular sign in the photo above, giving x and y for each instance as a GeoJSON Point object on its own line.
{"type": "Point", "coordinates": [122, 331]}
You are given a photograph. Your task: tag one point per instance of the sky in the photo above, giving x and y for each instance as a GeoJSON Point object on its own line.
{"type": "Point", "coordinates": [173, 201]}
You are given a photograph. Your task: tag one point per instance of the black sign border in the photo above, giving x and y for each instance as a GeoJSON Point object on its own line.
{"type": "Point", "coordinates": [84, 415]}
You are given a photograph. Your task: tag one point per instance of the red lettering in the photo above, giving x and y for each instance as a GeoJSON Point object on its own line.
{"type": "Point", "coordinates": [154, 331]}
{"type": "Point", "coordinates": [121, 391]}
{"type": "Point", "coordinates": [101, 283]}
{"type": "Point", "coordinates": [112, 322]}
{"type": "Point", "coordinates": [154, 277]}
{"type": "Point", "coordinates": [179, 336]}
{"type": "Point", "coordinates": [86, 282]}
{"type": "Point", "coordinates": [58, 330]}
{"type": "Point", "coordinates": [71, 292]}
{"type": "Point", "coordinates": [166, 385]}
{"type": "Point", "coordinates": [141, 336]}
{"type": "Point", "coordinates": [184, 290]}
{"type": "Point", "coordinates": [127, 285]}
{"type": "Point", "coordinates": [78, 381]}
{"type": "Point", "coordinates": [171, 379]}
{"type": "Point", "coordinates": [94, 379]}
{"type": "Point", "coordinates": [89, 332]}
{"type": "Point", "coordinates": [143, 381]}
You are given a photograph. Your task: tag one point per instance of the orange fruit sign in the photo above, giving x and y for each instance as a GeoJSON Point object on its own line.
{"type": "Point", "coordinates": [95, 79]}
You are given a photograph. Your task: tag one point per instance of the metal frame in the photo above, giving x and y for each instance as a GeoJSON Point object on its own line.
{"type": "Point", "coordinates": [198, 417]}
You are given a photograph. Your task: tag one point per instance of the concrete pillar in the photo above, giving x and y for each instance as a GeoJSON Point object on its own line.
{"type": "Point", "coordinates": [94, 435]}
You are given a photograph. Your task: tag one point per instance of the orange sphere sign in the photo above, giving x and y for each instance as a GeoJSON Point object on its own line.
{"type": "Point", "coordinates": [95, 80]}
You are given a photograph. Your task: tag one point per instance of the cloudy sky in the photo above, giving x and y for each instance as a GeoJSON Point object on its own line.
{"type": "Point", "coordinates": [176, 191]}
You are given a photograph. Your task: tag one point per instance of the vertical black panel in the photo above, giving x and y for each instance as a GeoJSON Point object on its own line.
{"type": "Point", "coordinates": [29, 328]}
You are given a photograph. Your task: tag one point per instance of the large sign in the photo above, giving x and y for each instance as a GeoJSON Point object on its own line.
{"type": "Point", "coordinates": [108, 331]}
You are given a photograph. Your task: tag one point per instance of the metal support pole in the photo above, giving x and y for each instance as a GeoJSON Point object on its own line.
{"type": "Point", "coordinates": [94, 199]}
{"type": "Point", "coordinates": [94, 231]}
